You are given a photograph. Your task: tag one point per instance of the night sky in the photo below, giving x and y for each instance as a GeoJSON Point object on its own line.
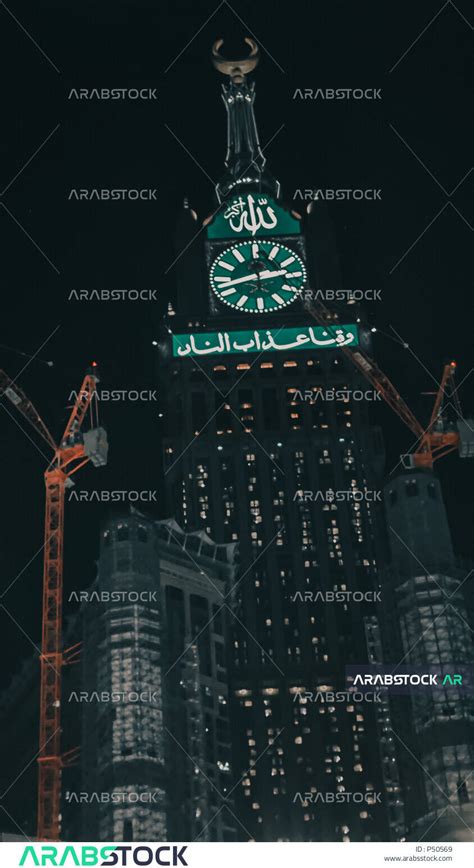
{"type": "Point", "coordinates": [426, 290]}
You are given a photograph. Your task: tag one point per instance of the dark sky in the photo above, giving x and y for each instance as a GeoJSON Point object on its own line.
{"type": "Point", "coordinates": [426, 290]}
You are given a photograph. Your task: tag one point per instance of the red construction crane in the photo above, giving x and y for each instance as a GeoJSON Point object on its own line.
{"type": "Point", "coordinates": [76, 449]}
{"type": "Point", "coordinates": [440, 436]}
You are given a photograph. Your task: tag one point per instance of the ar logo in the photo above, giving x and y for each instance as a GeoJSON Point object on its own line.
{"type": "Point", "coordinates": [452, 679]}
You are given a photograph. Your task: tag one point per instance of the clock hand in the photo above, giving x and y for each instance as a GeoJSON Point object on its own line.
{"type": "Point", "coordinates": [266, 275]}
{"type": "Point", "coordinates": [263, 275]}
{"type": "Point", "coordinates": [239, 280]}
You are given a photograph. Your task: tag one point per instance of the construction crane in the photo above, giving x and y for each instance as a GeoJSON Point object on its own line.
{"type": "Point", "coordinates": [441, 436]}
{"type": "Point", "coordinates": [76, 449]}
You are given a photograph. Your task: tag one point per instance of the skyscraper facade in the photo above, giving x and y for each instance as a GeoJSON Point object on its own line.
{"type": "Point", "coordinates": [154, 700]}
{"type": "Point", "coordinates": [268, 445]}
{"type": "Point", "coordinates": [427, 624]}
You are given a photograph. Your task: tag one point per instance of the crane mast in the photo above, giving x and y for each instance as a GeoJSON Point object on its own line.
{"type": "Point", "coordinates": [75, 450]}
{"type": "Point", "coordinates": [69, 457]}
{"type": "Point", "coordinates": [51, 660]}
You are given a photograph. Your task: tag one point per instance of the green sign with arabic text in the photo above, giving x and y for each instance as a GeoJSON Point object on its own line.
{"type": "Point", "coordinates": [265, 340]}
{"type": "Point", "coordinates": [252, 215]}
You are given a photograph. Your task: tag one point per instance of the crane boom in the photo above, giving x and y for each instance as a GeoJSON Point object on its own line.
{"type": "Point", "coordinates": [12, 391]}
{"type": "Point", "coordinates": [431, 444]}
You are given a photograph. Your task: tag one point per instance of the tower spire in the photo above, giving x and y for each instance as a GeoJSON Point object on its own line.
{"type": "Point", "coordinates": [244, 162]}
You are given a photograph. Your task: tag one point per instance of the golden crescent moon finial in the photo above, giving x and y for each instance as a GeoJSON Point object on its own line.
{"type": "Point", "coordinates": [235, 69]}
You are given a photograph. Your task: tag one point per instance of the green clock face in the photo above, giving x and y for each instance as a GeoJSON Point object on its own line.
{"type": "Point", "coordinates": [257, 276]}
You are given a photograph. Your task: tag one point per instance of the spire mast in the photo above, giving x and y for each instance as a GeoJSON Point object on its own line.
{"type": "Point", "coordinates": [244, 162]}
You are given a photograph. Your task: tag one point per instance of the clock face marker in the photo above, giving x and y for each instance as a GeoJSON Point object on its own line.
{"type": "Point", "coordinates": [252, 276]}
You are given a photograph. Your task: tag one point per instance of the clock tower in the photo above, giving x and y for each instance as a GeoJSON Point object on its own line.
{"type": "Point", "coordinates": [257, 450]}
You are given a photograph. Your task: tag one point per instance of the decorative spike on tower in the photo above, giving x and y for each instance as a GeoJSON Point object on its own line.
{"type": "Point", "coordinates": [244, 162]}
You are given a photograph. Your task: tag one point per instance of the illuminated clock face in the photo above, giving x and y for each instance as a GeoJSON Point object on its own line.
{"type": "Point", "coordinates": [257, 276]}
